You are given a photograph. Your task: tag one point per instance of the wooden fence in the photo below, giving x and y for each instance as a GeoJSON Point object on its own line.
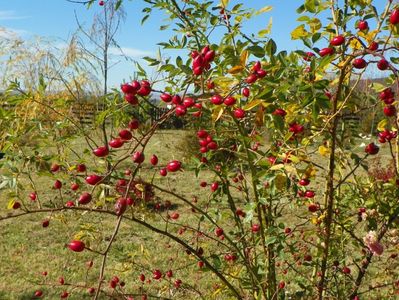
{"type": "Point", "coordinates": [86, 113]}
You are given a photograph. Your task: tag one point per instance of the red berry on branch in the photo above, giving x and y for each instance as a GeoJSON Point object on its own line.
{"type": "Point", "coordinates": [84, 198]}
{"type": "Point", "coordinates": [174, 166]}
{"type": "Point", "coordinates": [363, 25]}
{"type": "Point", "coordinates": [93, 179]}
{"type": "Point", "coordinates": [383, 64]}
{"type": "Point", "coordinates": [57, 184]}
{"type": "Point", "coordinates": [125, 134]}
{"type": "Point", "coordinates": [165, 97]}
{"type": "Point", "coordinates": [131, 99]}
{"type": "Point", "coordinates": [326, 51]}
{"type": "Point", "coordinates": [239, 113]}
{"type": "Point", "coordinates": [371, 149]}
{"type": "Point", "coordinates": [337, 40]}
{"type": "Point", "coordinates": [217, 99]}
{"type": "Point", "coordinates": [359, 63]}
{"type": "Point", "coordinates": [116, 143]}
{"type": "Point", "coordinates": [230, 101]}
{"type": "Point", "coordinates": [138, 157]}
{"type": "Point", "coordinates": [154, 160]}
{"type": "Point", "coordinates": [134, 124]}
{"type": "Point", "coordinates": [394, 17]}
{"type": "Point", "coordinates": [101, 151]}
{"type": "Point", "coordinates": [76, 246]}
{"type": "Point", "coordinates": [246, 92]}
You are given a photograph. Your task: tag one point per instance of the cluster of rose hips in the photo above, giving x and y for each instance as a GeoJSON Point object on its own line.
{"type": "Point", "coordinates": [206, 141]}
{"type": "Point", "coordinates": [304, 182]}
{"type": "Point", "coordinates": [256, 73]}
{"type": "Point", "coordinates": [125, 135]}
{"type": "Point", "coordinates": [114, 282]}
{"type": "Point", "coordinates": [214, 185]}
{"type": "Point", "coordinates": [296, 128]}
{"type": "Point", "coordinates": [388, 97]}
{"type": "Point", "coordinates": [358, 63]}
{"type": "Point", "coordinates": [182, 104]}
{"type": "Point", "coordinates": [157, 275]}
{"type": "Point", "coordinates": [217, 99]}
{"type": "Point", "coordinates": [202, 60]}
{"type": "Point", "coordinates": [172, 166]}
{"type": "Point", "coordinates": [386, 136]}
{"type": "Point", "coordinates": [130, 90]}
{"type": "Point", "coordinates": [137, 189]}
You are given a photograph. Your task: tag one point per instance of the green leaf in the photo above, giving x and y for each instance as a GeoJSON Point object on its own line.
{"type": "Point", "coordinates": [270, 240]}
{"type": "Point", "coordinates": [144, 19]}
{"type": "Point", "coordinates": [118, 4]}
{"type": "Point", "coordinates": [300, 9]}
{"type": "Point", "coordinates": [271, 47]}
{"type": "Point", "coordinates": [310, 5]}
{"type": "Point", "coordinates": [377, 87]}
{"type": "Point", "coordinates": [257, 51]}
{"type": "Point", "coordinates": [216, 262]}
{"type": "Point", "coordinates": [316, 37]}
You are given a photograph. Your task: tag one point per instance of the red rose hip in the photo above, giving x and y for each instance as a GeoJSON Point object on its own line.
{"type": "Point", "coordinates": [76, 246]}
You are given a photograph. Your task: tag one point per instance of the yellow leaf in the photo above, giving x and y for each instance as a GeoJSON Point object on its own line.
{"type": "Point", "coordinates": [268, 29]}
{"type": "Point", "coordinates": [264, 10]}
{"type": "Point", "coordinates": [259, 117]}
{"type": "Point", "coordinates": [310, 172]}
{"type": "Point", "coordinates": [235, 70]}
{"type": "Point", "coordinates": [79, 235]}
{"type": "Point", "coordinates": [71, 168]}
{"type": "Point", "coordinates": [290, 170]}
{"type": "Point", "coordinates": [244, 58]}
{"type": "Point", "coordinates": [252, 104]}
{"type": "Point", "coordinates": [225, 83]}
{"type": "Point", "coordinates": [381, 125]}
{"type": "Point", "coordinates": [217, 113]}
{"type": "Point", "coordinates": [314, 25]}
{"type": "Point", "coordinates": [299, 32]}
{"type": "Point", "coordinates": [277, 167]}
{"type": "Point", "coordinates": [305, 141]}
{"type": "Point", "coordinates": [292, 112]}
{"type": "Point", "coordinates": [314, 220]}
{"type": "Point", "coordinates": [294, 159]}
{"type": "Point", "coordinates": [217, 292]}
{"type": "Point", "coordinates": [10, 204]}
{"type": "Point", "coordinates": [225, 3]}
{"type": "Point", "coordinates": [368, 36]}
{"type": "Point", "coordinates": [324, 151]}
{"type": "Point", "coordinates": [355, 44]}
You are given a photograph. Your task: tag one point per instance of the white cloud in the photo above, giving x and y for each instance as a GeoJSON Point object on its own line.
{"type": "Point", "coordinates": [10, 15]}
{"type": "Point", "coordinates": [131, 52]}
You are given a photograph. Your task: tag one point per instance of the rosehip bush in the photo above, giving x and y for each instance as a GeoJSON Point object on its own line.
{"type": "Point", "coordinates": [286, 208]}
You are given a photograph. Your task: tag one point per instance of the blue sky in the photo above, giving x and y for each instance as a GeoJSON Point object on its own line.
{"type": "Point", "coordinates": [56, 19]}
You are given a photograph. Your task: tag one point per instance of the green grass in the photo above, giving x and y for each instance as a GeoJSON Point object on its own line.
{"type": "Point", "coordinates": [27, 249]}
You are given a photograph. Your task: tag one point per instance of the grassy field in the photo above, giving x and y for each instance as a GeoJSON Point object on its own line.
{"type": "Point", "coordinates": [27, 249]}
